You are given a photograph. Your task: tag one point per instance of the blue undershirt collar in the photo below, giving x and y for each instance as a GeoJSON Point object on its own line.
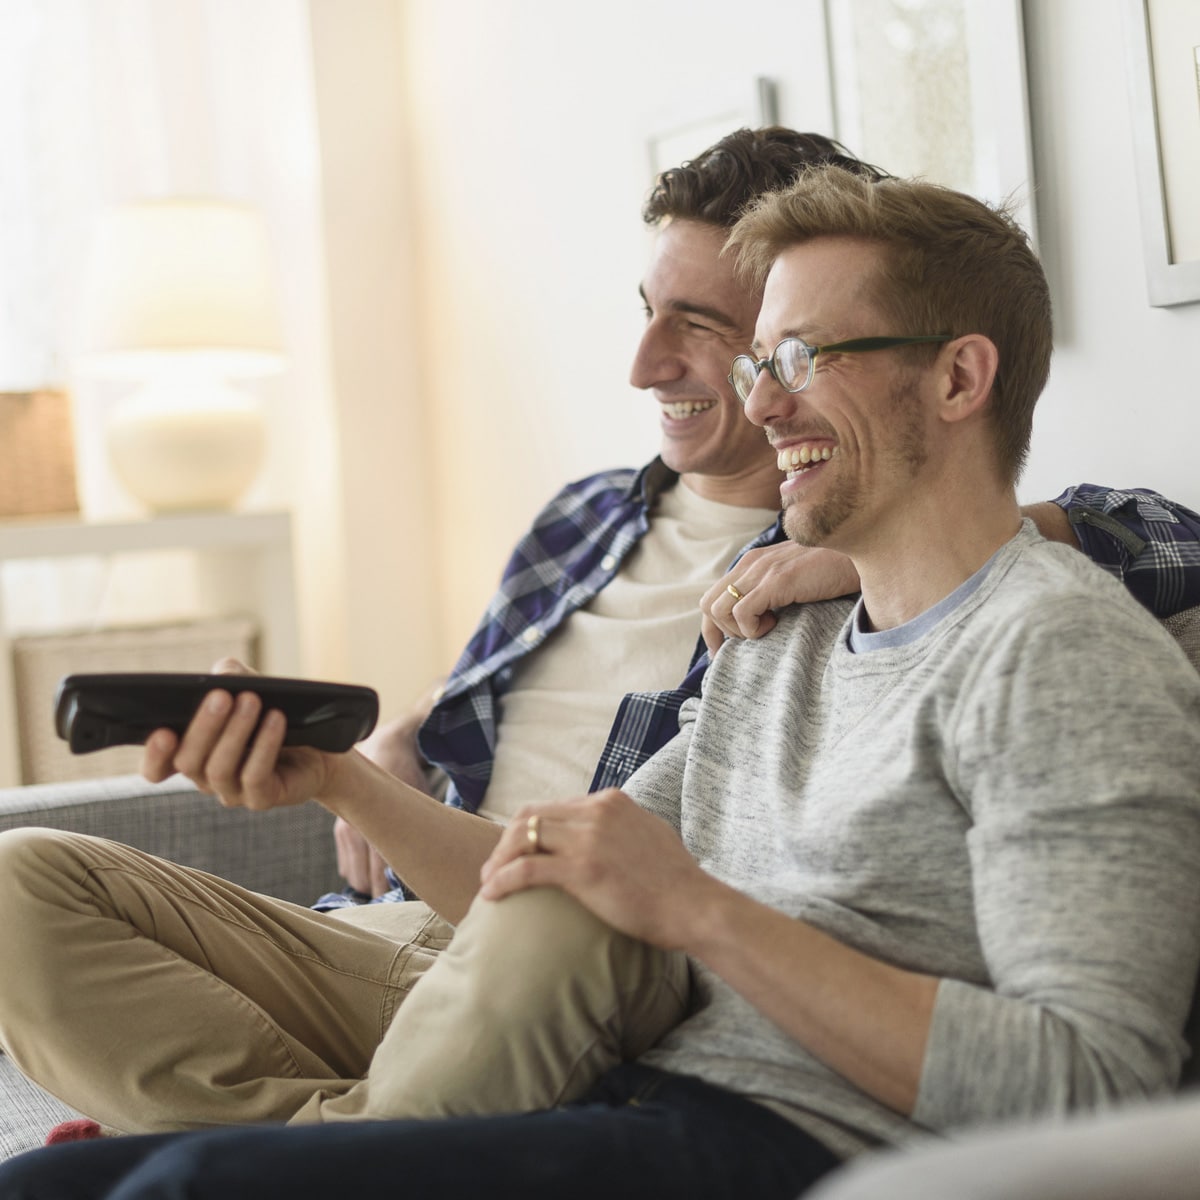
{"type": "Point", "coordinates": [862, 641]}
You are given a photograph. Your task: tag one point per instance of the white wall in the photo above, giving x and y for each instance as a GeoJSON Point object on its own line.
{"type": "Point", "coordinates": [529, 125]}
{"type": "Point", "coordinates": [1121, 405]}
{"type": "Point", "coordinates": [529, 120]}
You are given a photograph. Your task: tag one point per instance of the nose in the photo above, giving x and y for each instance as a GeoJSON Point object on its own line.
{"type": "Point", "coordinates": [768, 402]}
{"type": "Point", "coordinates": [656, 360]}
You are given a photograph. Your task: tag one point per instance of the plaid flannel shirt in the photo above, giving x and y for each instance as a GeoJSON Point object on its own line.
{"type": "Point", "coordinates": [1151, 544]}
{"type": "Point", "coordinates": [577, 544]}
{"type": "Point", "coordinates": [572, 552]}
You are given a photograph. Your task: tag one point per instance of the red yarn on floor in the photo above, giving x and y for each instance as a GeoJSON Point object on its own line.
{"type": "Point", "coordinates": [79, 1130]}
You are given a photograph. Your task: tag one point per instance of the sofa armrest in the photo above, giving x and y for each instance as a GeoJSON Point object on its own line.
{"type": "Point", "coordinates": [287, 852]}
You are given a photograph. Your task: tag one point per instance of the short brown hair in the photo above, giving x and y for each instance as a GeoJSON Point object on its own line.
{"type": "Point", "coordinates": [716, 186]}
{"type": "Point", "coordinates": [951, 264]}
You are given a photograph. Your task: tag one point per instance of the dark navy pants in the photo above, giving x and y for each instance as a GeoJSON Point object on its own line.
{"type": "Point", "coordinates": [639, 1133]}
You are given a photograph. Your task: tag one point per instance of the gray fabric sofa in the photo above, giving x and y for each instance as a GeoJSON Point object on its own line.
{"type": "Point", "coordinates": [287, 853]}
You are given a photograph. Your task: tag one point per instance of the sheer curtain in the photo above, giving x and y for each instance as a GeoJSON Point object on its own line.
{"type": "Point", "coordinates": [103, 101]}
{"type": "Point", "coordinates": [47, 187]}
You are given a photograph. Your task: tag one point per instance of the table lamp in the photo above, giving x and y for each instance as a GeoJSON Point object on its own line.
{"type": "Point", "coordinates": [179, 297]}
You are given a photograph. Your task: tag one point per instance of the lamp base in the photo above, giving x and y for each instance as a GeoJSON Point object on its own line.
{"type": "Point", "coordinates": [180, 446]}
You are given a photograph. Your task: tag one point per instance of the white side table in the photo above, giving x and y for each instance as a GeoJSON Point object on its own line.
{"type": "Point", "coordinates": [244, 564]}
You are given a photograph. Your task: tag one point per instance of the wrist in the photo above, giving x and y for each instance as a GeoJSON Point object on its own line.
{"type": "Point", "coordinates": [347, 780]}
{"type": "Point", "coordinates": [708, 918]}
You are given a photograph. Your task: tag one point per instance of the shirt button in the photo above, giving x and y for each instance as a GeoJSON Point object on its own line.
{"type": "Point", "coordinates": [608, 562]}
{"type": "Point", "coordinates": [530, 636]}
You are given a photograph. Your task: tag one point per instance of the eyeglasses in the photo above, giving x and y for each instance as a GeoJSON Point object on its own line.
{"type": "Point", "coordinates": [791, 362]}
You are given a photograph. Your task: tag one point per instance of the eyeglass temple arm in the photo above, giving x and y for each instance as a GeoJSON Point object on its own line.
{"type": "Point", "coordinates": [881, 343]}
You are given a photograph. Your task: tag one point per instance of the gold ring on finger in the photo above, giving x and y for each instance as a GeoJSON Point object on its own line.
{"type": "Point", "coordinates": [533, 834]}
{"type": "Point", "coordinates": [733, 591]}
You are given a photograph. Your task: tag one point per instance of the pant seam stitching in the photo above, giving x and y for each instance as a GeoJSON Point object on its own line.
{"type": "Point", "coordinates": [245, 927]}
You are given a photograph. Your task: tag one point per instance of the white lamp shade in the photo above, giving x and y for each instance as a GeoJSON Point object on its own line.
{"type": "Point", "coordinates": [178, 448]}
{"type": "Point", "coordinates": [180, 279]}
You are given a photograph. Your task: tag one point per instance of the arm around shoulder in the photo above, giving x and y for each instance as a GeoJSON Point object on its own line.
{"type": "Point", "coordinates": [1150, 543]}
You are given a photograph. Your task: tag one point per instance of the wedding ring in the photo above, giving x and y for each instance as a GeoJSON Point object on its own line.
{"type": "Point", "coordinates": [733, 592]}
{"type": "Point", "coordinates": [533, 834]}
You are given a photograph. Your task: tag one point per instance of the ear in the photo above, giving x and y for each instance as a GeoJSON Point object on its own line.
{"type": "Point", "coordinates": [968, 370]}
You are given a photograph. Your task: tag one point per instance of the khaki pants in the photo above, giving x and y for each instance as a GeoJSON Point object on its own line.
{"type": "Point", "coordinates": [154, 997]}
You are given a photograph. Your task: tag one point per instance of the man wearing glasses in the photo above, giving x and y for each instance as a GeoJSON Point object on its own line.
{"type": "Point", "coordinates": [918, 881]}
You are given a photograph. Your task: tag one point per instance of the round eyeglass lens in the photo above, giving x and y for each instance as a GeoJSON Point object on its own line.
{"type": "Point", "coordinates": [791, 363]}
{"type": "Point", "coordinates": [743, 373]}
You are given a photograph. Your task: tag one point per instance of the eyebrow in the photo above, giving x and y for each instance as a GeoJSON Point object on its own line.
{"type": "Point", "coordinates": [814, 337]}
{"type": "Point", "coordinates": [757, 347]}
{"type": "Point", "coordinates": [699, 310]}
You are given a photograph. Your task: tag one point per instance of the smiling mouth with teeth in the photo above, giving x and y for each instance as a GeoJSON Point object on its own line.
{"type": "Point", "coordinates": [682, 409]}
{"type": "Point", "coordinates": [795, 460]}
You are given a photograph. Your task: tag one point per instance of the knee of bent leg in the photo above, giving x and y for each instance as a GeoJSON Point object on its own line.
{"type": "Point", "coordinates": [535, 939]}
{"type": "Point", "coordinates": [29, 858]}
{"type": "Point", "coordinates": [545, 925]}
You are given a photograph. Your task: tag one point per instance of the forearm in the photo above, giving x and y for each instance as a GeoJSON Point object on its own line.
{"type": "Point", "coordinates": [1083, 871]}
{"type": "Point", "coordinates": [863, 1018]}
{"type": "Point", "coordinates": [437, 850]}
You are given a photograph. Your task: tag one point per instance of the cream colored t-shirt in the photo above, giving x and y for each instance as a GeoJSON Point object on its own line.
{"type": "Point", "coordinates": [637, 635]}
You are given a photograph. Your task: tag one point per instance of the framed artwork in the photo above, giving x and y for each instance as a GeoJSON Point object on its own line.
{"type": "Point", "coordinates": [681, 135]}
{"type": "Point", "coordinates": [936, 88]}
{"type": "Point", "coordinates": [1163, 40]}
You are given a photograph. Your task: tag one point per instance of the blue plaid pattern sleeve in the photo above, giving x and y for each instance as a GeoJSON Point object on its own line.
{"type": "Point", "coordinates": [572, 551]}
{"type": "Point", "coordinates": [1151, 544]}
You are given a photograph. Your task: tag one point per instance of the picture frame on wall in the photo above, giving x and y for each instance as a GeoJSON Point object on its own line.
{"type": "Point", "coordinates": [936, 89]}
{"type": "Point", "coordinates": [1163, 41]}
{"type": "Point", "coordinates": [686, 130]}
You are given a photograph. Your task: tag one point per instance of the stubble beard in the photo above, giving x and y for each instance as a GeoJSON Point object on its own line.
{"type": "Point", "coordinates": [814, 524]}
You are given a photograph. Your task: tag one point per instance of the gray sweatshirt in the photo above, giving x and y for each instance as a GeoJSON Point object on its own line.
{"type": "Point", "coordinates": [1005, 795]}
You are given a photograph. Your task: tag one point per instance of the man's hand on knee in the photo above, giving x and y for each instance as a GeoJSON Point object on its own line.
{"type": "Point", "coordinates": [626, 865]}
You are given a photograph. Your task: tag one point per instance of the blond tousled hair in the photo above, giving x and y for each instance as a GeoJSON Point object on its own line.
{"type": "Point", "coordinates": [951, 264]}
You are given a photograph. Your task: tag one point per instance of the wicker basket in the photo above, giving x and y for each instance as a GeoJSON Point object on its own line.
{"type": "Point", "coordinates": [40, 662]}
{"type": "Point", "coordinates": [37, 454]}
